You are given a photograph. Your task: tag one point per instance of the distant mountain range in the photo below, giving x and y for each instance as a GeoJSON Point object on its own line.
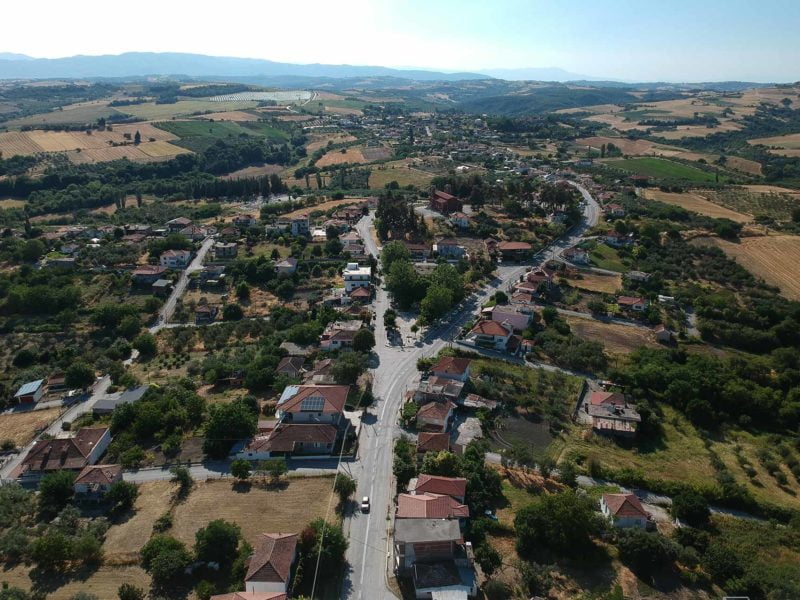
{"type": "Point", "coordinates": [538, 74]}
{"type": "Point", "coordinates": [140, 64]}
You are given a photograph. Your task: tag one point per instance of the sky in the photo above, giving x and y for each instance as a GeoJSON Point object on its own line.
{"type": "Point", "coordinates": [644, 40]}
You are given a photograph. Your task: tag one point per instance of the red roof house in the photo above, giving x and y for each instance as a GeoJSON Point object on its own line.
{"type": "Point", "coordinates": [436, 484]}
{"type": "Point", "coordinates": [270, 568]}
{"type": "Point", "coordinates": [430, 506]}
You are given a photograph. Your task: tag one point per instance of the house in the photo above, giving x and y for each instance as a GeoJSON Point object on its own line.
{"type": "Point", "coordinates": [226, 250]}
{"type": "Point", "coordinates": [245, 221]}
{"type": "Point", "coordinates": [106, 405]}
{"type": "Point", "coordinates": [436, 389]}
{"type": "Point", "coordinates": [663, 335]}
{"type": "Point", "coordinates": [540, 276]}
{"type": "Point", "coordinates": [638, 276]}
{"type": "Point", "coordinates": [287, 266]}
{"type": "Point", "coordinates": [350, 240]}
{"type": "Point", "coordinates": [474, 401]}
{"type": "Point", "coordinates": [425, 540]}
{"type": "Point", "coordinates": [194, 233]}
{"type": "Point", "coordinates": [67, 453]}
{"type": "Point", "coordinates": [614, 210]}
{"type": "Point", "coordinates": [417, 251]}
{"type": "Point", "coordinates": [513, 251]}
{"type": "Point", "coordinates": [426, 505]}
{"type": "Point", "coordinates": [451, 367]}
{"type": "Point", "coordinates": [57, 382]}
{"type": "Point", "coordinates": [616, 240]}
{"type": "Point", "coordinates": [455, 487]}
{"type": "Point", "coordinates": [175, 259]}
{"type": "Point", "coordinates": [624, 510]}
{"type": "Point", "coordinates": [212, 274]}
{"type": "Point", "coordinates": [204, 314]}
{"type": "Point", "coordinates": [161, 287]}
{"type": "Point", "coordinates": [445, 203]}
{"type": "Point", "coordinates": [435, 416]}
{"type": "Point", "coordinates": [148, 274]}
{"type": "Point", "coordinates": [449, 248]}
{"type": "Point", "coordinates": [31, 392]}
{"type": "Point", "coordinates": [611, 414]}
{"type": "Point", "coordinates": [339, 335]}
{"type": "Point", "coordinates": [490, 334]}
{"type": "Point", "coordinates": [460, 220]}
{"type": "Point", "coordinates": [290, 439]}
{"type": "Point", "coordinates": [312, 403]}
{"type": "Point", "coordinates": [96, 480]}
{"type": "Point", "coordinates": [576, 255]}
{"type": "Point", "coordinates": [361, 294]}
{"type": "Point", "coordinates": [298, 225]}
{"type": "Point", "coordinates": [428, 441]}
{"type": "Point", "coordinates": [518, 320]}
{"type": "Point", "coordinates": [349, 214]}
{"type": "Point", "coordinates": [62, 262]}
{"type": "Point", "coordinates": [355, 276]}
{"type": "Point", "coordinates": [636, 303]}
{"type": "Point", "coordinates": [251, 596]}
{"type": "Point", "coordinates": [291, 366]}
{"type": "Point", "coordinates": [175, 225]}
{"type": "Point", "coordinates": [272, 564]}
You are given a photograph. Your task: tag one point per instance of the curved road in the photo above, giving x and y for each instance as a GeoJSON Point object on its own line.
{"type": "Point", "coordinates": [396, 372]}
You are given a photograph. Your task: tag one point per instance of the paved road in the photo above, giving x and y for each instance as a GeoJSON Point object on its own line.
{"type": "Point", "coordinates": [98, 391]}
{"type": "Point", "coordinates": [168, 308]}
{"type": "Point", "coordinates": [369, 550]}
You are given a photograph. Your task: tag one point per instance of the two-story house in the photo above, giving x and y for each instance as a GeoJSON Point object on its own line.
{"type": "Point", "coordinates": [356, 276]}
{"type": "Point", "coordinates": [490, 334]}
{"type": "Point", "coordinates": [175, 259]}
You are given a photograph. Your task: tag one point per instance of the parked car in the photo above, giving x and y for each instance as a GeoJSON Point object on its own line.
{"type": "Point", "coordinates": [365, 504]}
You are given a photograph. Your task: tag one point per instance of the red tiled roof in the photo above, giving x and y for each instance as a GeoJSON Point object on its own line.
{"type": "Point", "coordinates": [490, 328]}
{"type": "Point", "coordinates": [251, 596]}
{"type": "Point", "coordinates": [64, 453]}
{"type": "Point", "coordinates": [429, 506]}
{"type": "Point", "coordinates": [624, 505]}
{"type": "Point", "coordinates": [99, 474]}
{"type": "Point", "coordinates": [149, 270]}
{"type": "Point", "coordinates": [334, 397]}
{"type": "Point", "coordinates": [285, 437]}
{"type": "Point", "coordinates": [436, 410]}
{"type": "Point", "coordinates": [360, 292]}
{"type": "Point", "coordinates": [435, 484]}
{"type": "Point", "coordinates": [273, 557]}
{"type": "Point", "coordinates": [451, 365]}
{"type": "Point", "coordinates": [433, 442]}
{"type": "Point", "coordinates": [443, 195]}
{"type": "Point", "coordinates": [630, 300]}
{"type": "Point", "coordinates": [598, 398]}
{"type": "Point", "coordinates": [512, 246]}
{"type": "Point", "coordinates": [290, 364]}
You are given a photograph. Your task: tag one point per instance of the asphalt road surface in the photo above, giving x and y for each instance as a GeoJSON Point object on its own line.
{"type": "Point", "coordinates": [396, 372]}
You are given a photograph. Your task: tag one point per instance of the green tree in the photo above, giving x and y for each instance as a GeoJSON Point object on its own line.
{"type": "Point", "coordinates": [243, 291]}
{"type": "Point", "coordinates": [437, 301]}
{"type": "Point", "coordinates": [345, 487]}
{"type": "Point", "coordinates": [324, 542]}
{"type": "Point", "coordinates": [232, 312]}
{"type": "Point", "coordinates": [444, 463]}
{"type": "Point", "coordinates": [274, 467]}
{"type": "Point", "coordinates": [122, 495]}
{"type": "Point", "coordinates": [404, 283]}
{"type": "Point", "coordinates": [183, 478]}
{"type": "Point", "coordinates": [145, 343]}
{"type": "Point", "coordinates": [217, 542]}
{"type": "Point", "coordinates": [51, 550]}
{"type": "Point", "coordinates": [32, 250]}
{"type": "Point", "coordinates": [565, 522]}
{"type": "Point", "coordinates": [488, 558]}
{"type": "Point", "coordinates": [549, 314]}
{"type": "Point", "coordinates": [128, 591]}
{"type": "Point", "coordinates": [165, 558]}
{"type": "Point", "coordinates": [645, 553]}
{"type": "Point", "coordinates": [691, 508]}
{"type": "Point", "coordinates": [227, 424]}
{"type": "Point", "coordinates": [348, 367]}
{"type": "Point", "coordinates": [363, 340]}
{"type": "Point", "coordinates": [240, 468]}
{"type": "Point", "coordinates": [391, 252]}
{"type": "Point", "coordinates": [79, 375]}
{"type": "Point", "coordinates": [408, 414]}
{"type": "Point", "coordinates": [129, 326]}
{"type": "Point", "coordinates": [55, 492]}
{"type": "Point", "coordinates": [404, 466]}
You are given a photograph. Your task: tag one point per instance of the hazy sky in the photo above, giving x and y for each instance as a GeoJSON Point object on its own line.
{"type": "Point", "coordinates": [677, 40]}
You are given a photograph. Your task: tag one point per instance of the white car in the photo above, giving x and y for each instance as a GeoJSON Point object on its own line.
{"type": "Point", "coordinates": [365, 504]}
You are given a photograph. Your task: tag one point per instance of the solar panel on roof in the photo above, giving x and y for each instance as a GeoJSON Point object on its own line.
{"type": "Point", "coordinates": [312, 404]}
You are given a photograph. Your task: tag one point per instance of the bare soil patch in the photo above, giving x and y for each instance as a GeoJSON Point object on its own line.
{"type": "Point", "coordinates": [618, 339]}
{"type": "Point", "coordinates": [595, 282]}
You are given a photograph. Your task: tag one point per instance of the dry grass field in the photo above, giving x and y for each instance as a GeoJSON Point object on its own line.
{"type": "Point", "coordinates": [618, 339]}
{"type": "Point", "coordinates": [162, 112]}
{"type": "Point", "coordinates": [786, 145]}
{"type": "Point", "coordinates": [342, 110]}
{"type": "Point", "coordinates": [402, 171]}
{"type": "Point", "coordinates": [22, 426]}
{"type": "Point", "coordinates": [745, 165]}
{"type": "Point", "coordinates": [254, 171]}
{"type": "Point", "coordinates": [11, 203]}
{"type": "Point", "coordinates": [320, 141]}
{"type": "Point", "coordinates": [144, 152]}
{"type": "Point", "coordinates": [324, 206]}
{"type": "Point", "coordinates": [616, 122]}
{"type": "Point", "coordinates": [684, 131]}
{"type": "Point", "coordinates": [231, 115]}
{"type": "Point", "coordinates": [631, 147]}
{"type": "Point", "coordinates": [774, 258]}
{"type": "Point", "coordinates": [351, 155]}
{"type": "Point", "coordinates": [595, 282]}
{"type": "Point", "coordinates": [256, 511]}
{"type": "Point", "coordinates": [86, 112]}
{"type": "Point", "coordinates": [102, 583]}
{"type": "Point", "coordinates": [696, 203]}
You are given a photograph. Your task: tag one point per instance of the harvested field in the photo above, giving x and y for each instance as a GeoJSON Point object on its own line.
{"type": "Point", "coordinates": [376, 153]}
{"type": "Point", "coordinates": [617, 122]}
{"type": "Point", "coordinates": [632, 147]}
{"type": "Point", "coordinates": [320, 141]}
{"type": "Point", "coordinates": [102, 583]}
{"type": "Point", "coordinates": [6, 203]}
{"type": "Point", "coordinates": [295, 118]}
{"type": "Point", "coordinates": [785, 145]}
{"type": "Point", "coordinates": [683, 131]}
{"type": "Point", "coordinates": [774, 258]}
{"type": "Point", "coordinates": [744, 165]}
{"type": "Point", "coordinates": [257, 171]}
{"type": "Point", "coordinates": [595, 282]}
{"type": "Point", "coordinates": [24, 425]}
{"type": "Point", "coordinates": [145, 152]}
{"type": "Point", "coordinates": [401, 171]}
{"type": "Point", "coordinates": [152, 112]}
{"type": "Point", "coordinates": [774, 189]}
{"type": "Point", "coordinates": [338, 157]}
{"type": "Point", "coordinates": [343, 110]}
{"type": "Point", "coordinates": [86, 112]}
{"type": "Point", "coordinates": [324, 206]}
{"type": "Point", "coordinates": [617, 339]}
{"type": "Point", "coordinates": [256, 511]}
{"type": "Point", "coordinates": [747, 201]}
{"type": "Point", "coordinates": [123, 541]}
{"type": "Point", "coordinates": [696, 203]}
